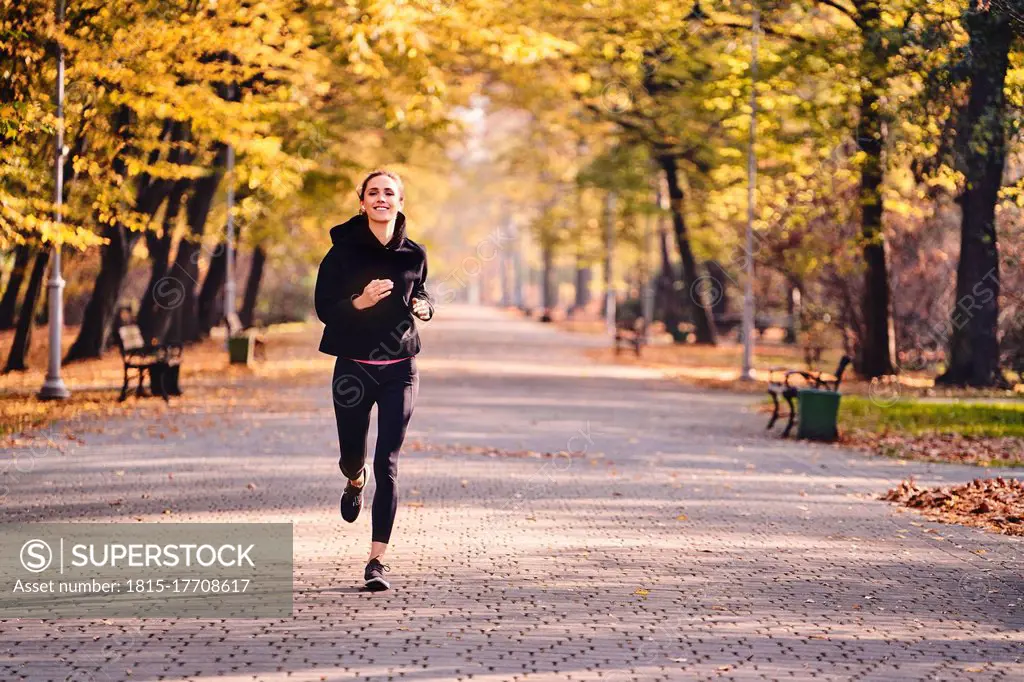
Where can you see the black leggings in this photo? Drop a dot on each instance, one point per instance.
(356, 387)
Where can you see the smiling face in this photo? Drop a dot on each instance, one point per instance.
(382, 199)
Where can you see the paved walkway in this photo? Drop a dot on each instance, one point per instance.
(679, 544)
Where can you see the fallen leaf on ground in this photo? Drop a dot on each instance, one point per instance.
(418, 445)
(996, 504)
(941, 447)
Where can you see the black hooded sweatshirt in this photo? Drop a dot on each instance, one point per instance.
(387, 330)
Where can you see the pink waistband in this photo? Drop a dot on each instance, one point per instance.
(377, 362)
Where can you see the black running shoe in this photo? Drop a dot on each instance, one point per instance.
(374, 576)
(352, 501)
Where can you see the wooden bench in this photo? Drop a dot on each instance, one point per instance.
(726, 323)
(630, 331)
(779, 383)
(162, 362)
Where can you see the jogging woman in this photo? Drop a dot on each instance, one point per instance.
(369, 291)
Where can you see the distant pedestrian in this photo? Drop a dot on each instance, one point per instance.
(369, 293)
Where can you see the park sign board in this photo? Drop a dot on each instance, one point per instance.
(146, 570)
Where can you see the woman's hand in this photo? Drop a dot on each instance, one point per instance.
(421, 309)
(372, 294)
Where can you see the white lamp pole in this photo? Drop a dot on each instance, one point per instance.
(517, 263)
(54, 388)
(747, 374)
(649, 270)
(609, 270)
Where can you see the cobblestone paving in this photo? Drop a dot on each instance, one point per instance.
(678, 543)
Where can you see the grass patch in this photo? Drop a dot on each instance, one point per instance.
(915, 417)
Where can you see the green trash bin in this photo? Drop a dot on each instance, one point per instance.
(818, 414)
(240, 350)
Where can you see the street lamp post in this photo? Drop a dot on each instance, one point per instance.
(609, 266)
(53, 387)
(517, 263)
(648, 269)
(504, 260)
(747, 373)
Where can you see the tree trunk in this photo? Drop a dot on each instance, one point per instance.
(23, 335)
(213, 290)
(583, 277)
(875, 356)
(853, 328)
(159, 247)
(185, 271)
(98, 318)
(115, 256)
(718, 289)
(517, 273)
(974, 347)
(210, 303)
(549, 293)
(43, 311)
(252, 287)
(9, 304)
(197, 314)
(180, 287)
(609, 256)
(161, 294)
(794, 304)
(503, 279)
(692, 294)
(669, 304)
